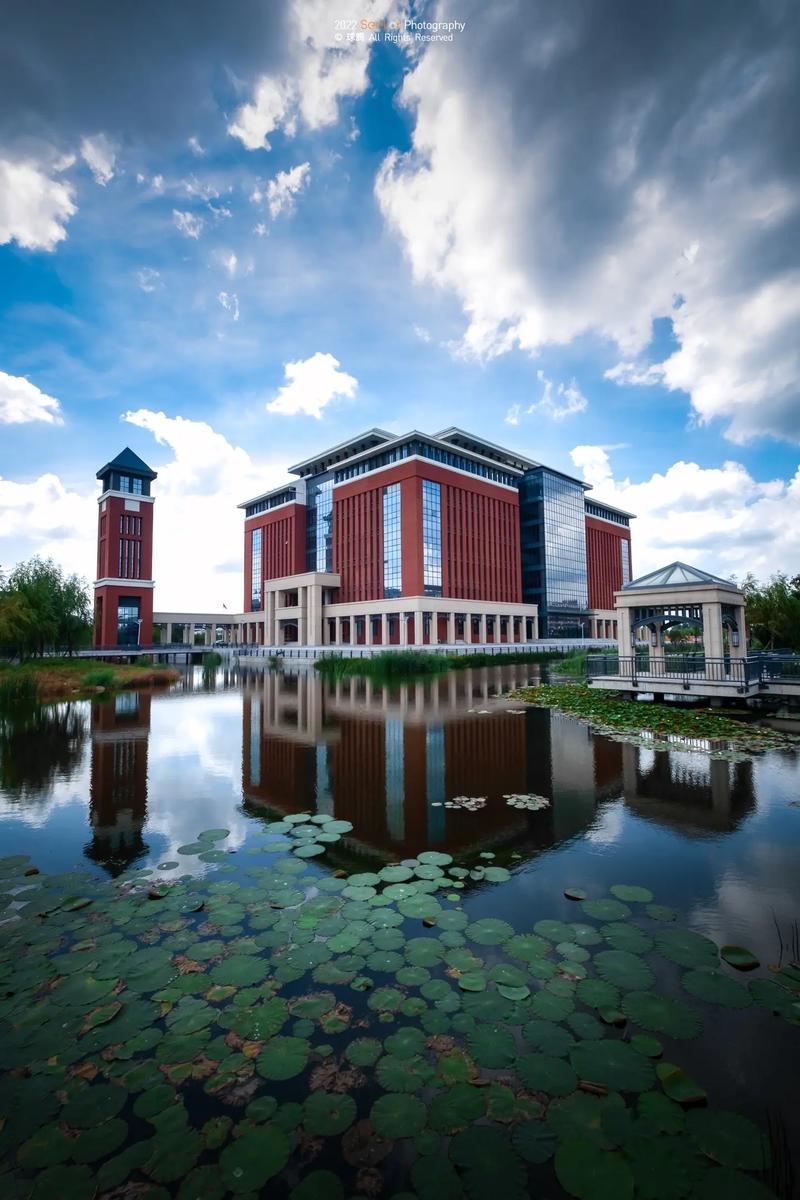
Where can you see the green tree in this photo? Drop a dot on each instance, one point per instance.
(42, 608)
(773, 610)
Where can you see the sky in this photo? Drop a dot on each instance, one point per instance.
(233, 235)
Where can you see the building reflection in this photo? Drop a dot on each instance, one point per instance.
(120, 727)
(388, 759)
(693, 793)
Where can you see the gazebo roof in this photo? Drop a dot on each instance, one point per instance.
(678, 574)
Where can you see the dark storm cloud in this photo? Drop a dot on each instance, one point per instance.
(137, 69)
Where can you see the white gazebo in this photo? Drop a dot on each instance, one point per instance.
(682, 595)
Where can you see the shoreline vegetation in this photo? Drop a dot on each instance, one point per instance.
(58, 678)
(409, 664)
(611, 713)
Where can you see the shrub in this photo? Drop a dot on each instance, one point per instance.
(98, 677)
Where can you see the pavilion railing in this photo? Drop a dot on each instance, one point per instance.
(758, 669)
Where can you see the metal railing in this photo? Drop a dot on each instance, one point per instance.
(305, 653)
(685, 669)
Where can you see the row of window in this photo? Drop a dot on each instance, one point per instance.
(260, 506)
(431, 538)
(448, 458)
(319, 528)
(130, 525)
(130, 559)
(255, 570)
(605, 514)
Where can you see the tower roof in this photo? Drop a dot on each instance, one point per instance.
(678, 574)
(129, 462)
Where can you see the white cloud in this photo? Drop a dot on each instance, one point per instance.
(230, 302)
(721, 519)
(322, 71)
(600, 216)
(230, 263)
(34, 207)
(188, 224)
(100, 154)
(195, 147)
(311, 384)
(21, 402)
(559, 401)
(281, 190)
(512, 417)
(149, 279)
(422, 333)
(636, 374)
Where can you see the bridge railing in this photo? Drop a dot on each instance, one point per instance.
(757, 669)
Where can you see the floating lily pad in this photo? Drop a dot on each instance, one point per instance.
(739, 957)
(623, 970)
(318, 1185)
(729, 1139)
(548, 1037)
(575, 893)
(661, 1014)
(613, 1064)
(492, 1046)
(622, 935)
(100, 1141)
(649, 1046)
(402, 1074)
(406, 1042)
(94, 1104)
(678, 1086)
(434, 1178)
(553, 931)
(597, 993)
(489, 931)
(551, 1007)
(716, 988)
(283, 1057)
(308, 850)
(327, 1114)
(398, 1116)
(76, 1183)
(687, 948)
(546, 1073)
(249, 1161)
(631, 894)
(534, 1141)
(527, 947)
(586, 1171)
(606, 910)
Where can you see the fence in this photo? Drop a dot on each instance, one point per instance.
(756, 670)
(312, 653)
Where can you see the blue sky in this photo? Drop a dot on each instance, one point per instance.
(569, 234)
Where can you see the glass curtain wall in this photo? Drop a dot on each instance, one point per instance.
(319, 524)
(553, 531)
(128, 621)
(392, 548)
(255, 571)
(432, 537)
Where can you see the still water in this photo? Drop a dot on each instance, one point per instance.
(121, 783)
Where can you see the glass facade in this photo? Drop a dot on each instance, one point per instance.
(319, 524)
(130, 483)
(432, 537)
(553, 533)
(255, 571)
(625, 552)
(392, 548)
(425, 450)
(128, 621)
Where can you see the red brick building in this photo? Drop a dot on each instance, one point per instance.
(123, 589)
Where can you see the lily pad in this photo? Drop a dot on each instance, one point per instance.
(492, 1046)
(586, 1171)
(456, 1108)
(93, 1105)
(249, 1161)
(631, 894)
(308, 850)
(613, 1064)
(548, 1037)
(318, 1185)
(535, 1141)
(661, 1014)
(328, 1114)
(546, 1073)
(678, 1086)
(739, 957)
(687, 948)
(283, 1057)
(729, 1139)
(489, 931)
(398, 1116)
(716, 988)
(623, 970)
(606, 910)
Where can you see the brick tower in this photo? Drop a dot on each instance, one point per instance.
(123, 590)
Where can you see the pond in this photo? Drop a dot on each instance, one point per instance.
(205, 993)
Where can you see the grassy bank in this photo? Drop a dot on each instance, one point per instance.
(612, 713)
(52, 678)
(409, 664)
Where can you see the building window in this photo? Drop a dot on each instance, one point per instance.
(432, 538)
(392, 549)
(128, 621)
(434, 452)
(136, 486)
(553, 531)
(626, 562)
(255, 570)
(319, 529)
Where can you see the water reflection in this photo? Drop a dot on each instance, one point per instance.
(693, 793)
(37, 746)
(118, 780)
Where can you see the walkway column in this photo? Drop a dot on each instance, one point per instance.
(403, 629)
(169, 632)
(384, 629)
(418, 637)
(451, 627)
(302, 620)
(482, 636)
(368, 636)
(337, 631)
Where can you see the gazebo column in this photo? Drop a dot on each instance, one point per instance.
(625, 633)
(712, 630)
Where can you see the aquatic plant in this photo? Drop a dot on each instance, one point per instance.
(165, 1034)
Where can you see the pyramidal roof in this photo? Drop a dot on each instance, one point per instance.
(126, 460)
(678, 574)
